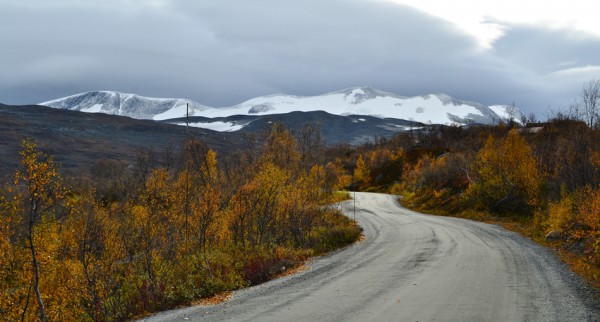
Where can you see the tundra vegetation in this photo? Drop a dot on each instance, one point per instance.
(132, 240)
(540, 179)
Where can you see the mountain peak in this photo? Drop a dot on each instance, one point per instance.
(362, 90)
(364, 100)
(124, 104)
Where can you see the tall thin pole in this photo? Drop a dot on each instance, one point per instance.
(187, 182)
(354, 187)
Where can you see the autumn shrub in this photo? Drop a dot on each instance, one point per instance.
(152, 239)
(577, 217)
(258, 264)
(216, 271)
(377, 169)
(589, 230)
(335, 230)
(534, 180)
(259, 269)
(505, 177)
(338, 196)
(436, 183)
(362, 174)
(561, 214)
(591, 209)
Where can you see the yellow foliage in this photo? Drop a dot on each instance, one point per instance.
(361, 171)
(102, 260)
(281, 148)
(560, 214)
(591, 209)
(590, 212)
(31, 208)
(336, 177)
(596, 159)
(577, 217)
(507, 176)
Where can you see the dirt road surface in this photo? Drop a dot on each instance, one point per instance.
(415, 267)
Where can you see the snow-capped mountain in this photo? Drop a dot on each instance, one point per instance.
(427, 109)
(131, 105)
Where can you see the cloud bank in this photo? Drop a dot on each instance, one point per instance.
(221, 53)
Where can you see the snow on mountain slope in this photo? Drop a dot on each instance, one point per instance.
(429, 109)
(131, 105)
(215, 126)
(506, 112)
(434, 108)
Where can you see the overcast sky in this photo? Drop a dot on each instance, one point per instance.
(222, 52)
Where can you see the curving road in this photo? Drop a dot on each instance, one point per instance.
(415, 267)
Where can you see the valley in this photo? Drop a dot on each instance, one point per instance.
(259, 185)
(341, 160)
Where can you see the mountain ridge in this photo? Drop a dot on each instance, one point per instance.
(427, 109)
(122, 104)
(78, 140)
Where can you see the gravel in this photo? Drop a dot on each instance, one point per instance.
(415, 267)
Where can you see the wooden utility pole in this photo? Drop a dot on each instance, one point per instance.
(354, 187)
(187, 183)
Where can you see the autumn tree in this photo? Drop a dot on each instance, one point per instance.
(267, 185)
(205, 203)
(310, 145)
(239, 211)
(565, 150)
(110, 180)
(281, 149)
(15, 289)
(591, 102)
(362, 173)
(153, 235)
(335, 177)
(506, 175)
(39, 193)
(94, 257)
(120, 249)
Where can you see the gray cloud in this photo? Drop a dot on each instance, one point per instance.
(547, 50)
(223, 52)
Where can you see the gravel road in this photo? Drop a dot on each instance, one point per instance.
(415, 267)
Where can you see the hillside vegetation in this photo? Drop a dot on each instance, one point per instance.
(542, 180)
(123, 239)
(135, 239)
